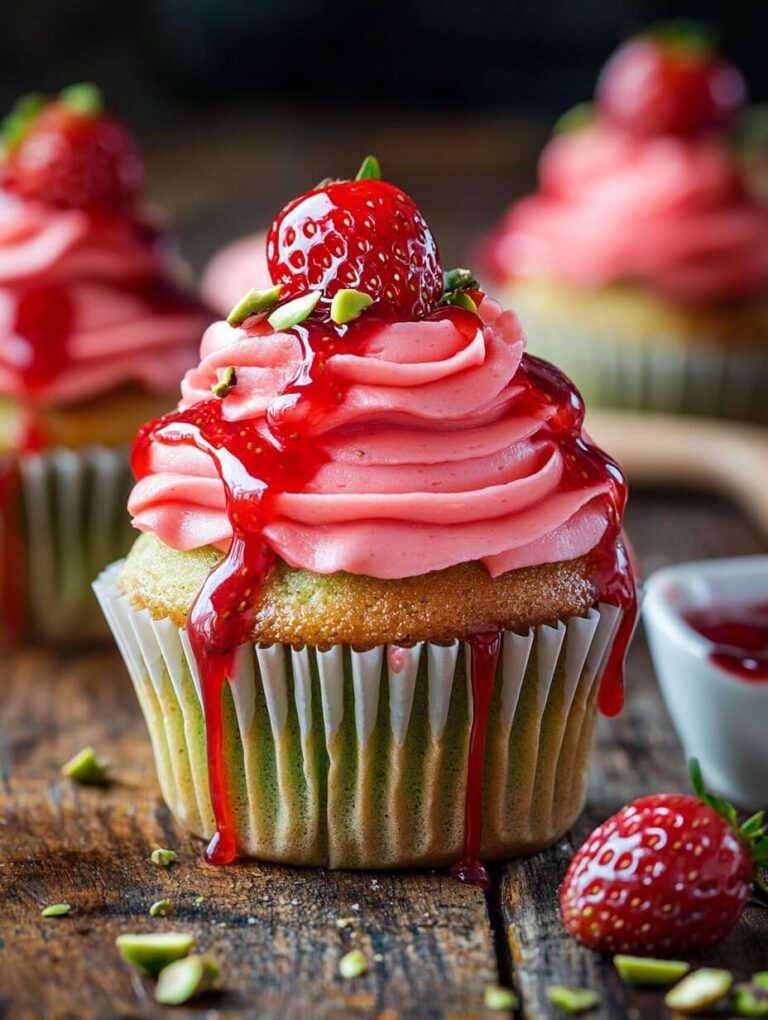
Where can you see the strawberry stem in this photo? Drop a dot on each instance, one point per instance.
(753, 833)
(688, 37)
(85, 99)
(370, 170)
(17, 124)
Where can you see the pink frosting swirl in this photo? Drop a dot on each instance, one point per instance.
(672, 213)
(444, 449)
(88, 303)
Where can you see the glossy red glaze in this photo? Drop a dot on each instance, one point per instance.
(484, 651)
(739, 634)
(279, 455)
(13, 617)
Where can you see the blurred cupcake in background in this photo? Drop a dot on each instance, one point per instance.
(641, 263)
(96, 325)
(381, 590)
(234, 270)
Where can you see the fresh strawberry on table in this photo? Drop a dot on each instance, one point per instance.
(68, 153)
(670, 873)
(670, 80)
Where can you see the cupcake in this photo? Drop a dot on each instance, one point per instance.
(96, 328)
(641, 263)
(235, 269)
(380, 590)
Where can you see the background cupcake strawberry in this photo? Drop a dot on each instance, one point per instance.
(96, 324)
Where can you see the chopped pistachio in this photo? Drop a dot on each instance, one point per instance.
(461, 299)
(151, 953)
(457, 279)
(499, 998)
(56, 910)
(641, 970)
(86, 767)
(324, 183)
(162, 857)
(160, 908)
(369, 170)
(186, 979)
(699, 991)
(199, 901)
(750, 1000)
(254, 302)
(226, 384)
(17, 123)
(348, 304)
(577, 117)
(572, 1000)
(293, 312)
(84, 98)
(353, 964)
(345, 922)
(761, 978)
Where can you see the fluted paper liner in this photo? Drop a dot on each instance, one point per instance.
(71, 521)
(659, 374)
(334, 758)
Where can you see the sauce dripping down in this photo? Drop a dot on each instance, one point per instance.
(280, 454)
(739, 635)
(13, 601)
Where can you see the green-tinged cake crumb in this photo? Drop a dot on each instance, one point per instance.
(163, 858)
(699, 991)
(160, 908)
(56, 910)
(186, 979)
(86, 767)
(498, 998)
(571, 1000)
(641, 970)
(750, 1000)
(151, 953)
(353, 964)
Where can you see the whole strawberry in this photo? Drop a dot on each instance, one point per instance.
(669, 873)
(670, 81)
(364, 235)
(67, 153)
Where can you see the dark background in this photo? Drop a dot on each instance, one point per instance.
(242, 104)
(158, 58)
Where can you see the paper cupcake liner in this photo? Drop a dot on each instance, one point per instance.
(66, 519)
(659, 374)
(335, 758)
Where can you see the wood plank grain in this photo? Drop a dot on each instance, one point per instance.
(636, 754)
(274, 929)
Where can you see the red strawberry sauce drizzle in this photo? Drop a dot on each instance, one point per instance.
(257, 463)
(12, 568)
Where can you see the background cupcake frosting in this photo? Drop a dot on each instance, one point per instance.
(88, 303)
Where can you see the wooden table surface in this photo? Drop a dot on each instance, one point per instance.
(279, 933)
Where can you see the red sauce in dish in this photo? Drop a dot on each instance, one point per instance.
(279, 455)
(739, 635)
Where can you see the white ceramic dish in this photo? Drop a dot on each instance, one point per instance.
(721, 719)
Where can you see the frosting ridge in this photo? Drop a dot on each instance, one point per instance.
(446, 446)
